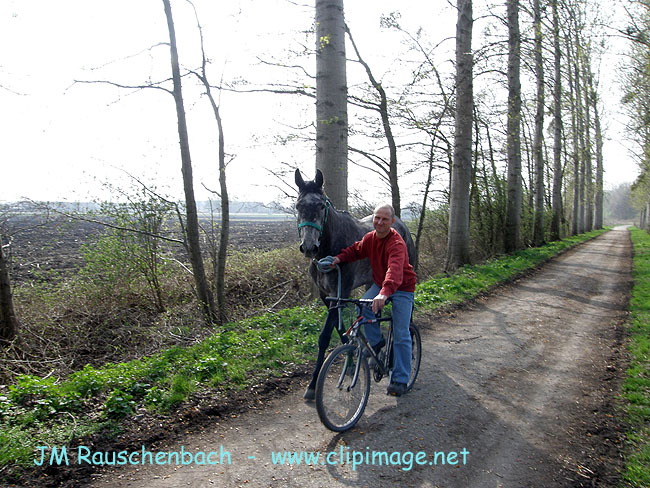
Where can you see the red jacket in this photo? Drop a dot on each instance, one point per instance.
(388, 258)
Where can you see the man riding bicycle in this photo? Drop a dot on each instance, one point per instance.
(393, 276)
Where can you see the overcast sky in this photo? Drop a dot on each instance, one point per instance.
(62, 140)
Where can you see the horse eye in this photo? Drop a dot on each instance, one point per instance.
(322, 205)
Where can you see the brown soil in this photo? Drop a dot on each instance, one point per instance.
(46, 250)
(524, 379)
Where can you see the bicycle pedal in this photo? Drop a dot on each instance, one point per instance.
(377, 374)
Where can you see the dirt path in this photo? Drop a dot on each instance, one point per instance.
(519, 385)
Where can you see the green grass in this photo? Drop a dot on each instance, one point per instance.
(636, 388)
(42, 411)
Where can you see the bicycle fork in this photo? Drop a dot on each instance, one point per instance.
(349, 364)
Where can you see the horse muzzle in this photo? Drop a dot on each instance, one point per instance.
(310, 243)
(309, 250)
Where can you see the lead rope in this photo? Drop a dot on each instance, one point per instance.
(324, 266)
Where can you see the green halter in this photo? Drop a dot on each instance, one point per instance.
(314, 224)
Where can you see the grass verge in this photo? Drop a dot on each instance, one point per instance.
(471, 281)
(636, 388)
(45, 412)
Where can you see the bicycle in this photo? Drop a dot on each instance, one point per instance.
(343, 385)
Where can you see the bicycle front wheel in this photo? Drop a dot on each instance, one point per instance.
(416, 354)
(343, 388)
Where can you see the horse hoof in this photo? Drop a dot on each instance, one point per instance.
(310, 394)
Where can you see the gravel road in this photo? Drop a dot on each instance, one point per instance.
(515, 390)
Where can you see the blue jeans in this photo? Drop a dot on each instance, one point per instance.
(402, 308)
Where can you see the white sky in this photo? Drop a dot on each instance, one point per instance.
(61, 140)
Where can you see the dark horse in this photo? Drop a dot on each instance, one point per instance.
(324, 231)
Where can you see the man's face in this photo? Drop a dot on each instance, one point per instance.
(382, 220)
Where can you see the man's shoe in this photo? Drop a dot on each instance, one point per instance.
(396, 389)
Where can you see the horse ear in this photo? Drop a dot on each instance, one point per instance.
(319, 178)
(299, 181)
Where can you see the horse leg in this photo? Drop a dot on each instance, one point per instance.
(323, 343)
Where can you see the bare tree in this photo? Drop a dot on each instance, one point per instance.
(458, 252)
(331, 101)
(224, 232)
(203, 291)
(390, 169)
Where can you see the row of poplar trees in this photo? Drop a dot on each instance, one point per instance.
(573, 152)
(636, 100)
(557, 190)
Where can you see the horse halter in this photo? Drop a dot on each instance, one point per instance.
(314, 224)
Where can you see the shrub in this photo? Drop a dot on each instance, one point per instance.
(119, 404)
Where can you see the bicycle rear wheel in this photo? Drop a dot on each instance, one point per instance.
(416, 354)
(340, 399)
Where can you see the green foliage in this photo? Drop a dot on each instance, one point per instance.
(324, 41)
(128, 257)
(636, 388)
(43, 396)
(229, 358)
(119, 404)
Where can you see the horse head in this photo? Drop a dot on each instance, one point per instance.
(312, 207)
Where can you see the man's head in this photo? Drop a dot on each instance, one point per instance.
(382, 219)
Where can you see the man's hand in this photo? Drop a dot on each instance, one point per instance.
(378, 302)
(335, 261)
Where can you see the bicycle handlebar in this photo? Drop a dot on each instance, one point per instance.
(363, 302)
(359, 301)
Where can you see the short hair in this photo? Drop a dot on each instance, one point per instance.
(385, 205)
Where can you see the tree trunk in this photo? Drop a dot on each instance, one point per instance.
(8, 320)
(557, 131)
(331, 101)
(574, 155)
(423, 209)
(538, 226)
(458, 238)
(589, 186)
(192, 228)
(514, 193)
(598, 212)
(578, 154)
(224, 232)
(580, 136)
(497, 231)
(490, 202)
(224, 235)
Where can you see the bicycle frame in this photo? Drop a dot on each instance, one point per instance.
(355, 333)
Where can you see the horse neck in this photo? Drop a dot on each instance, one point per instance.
(340, 230)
